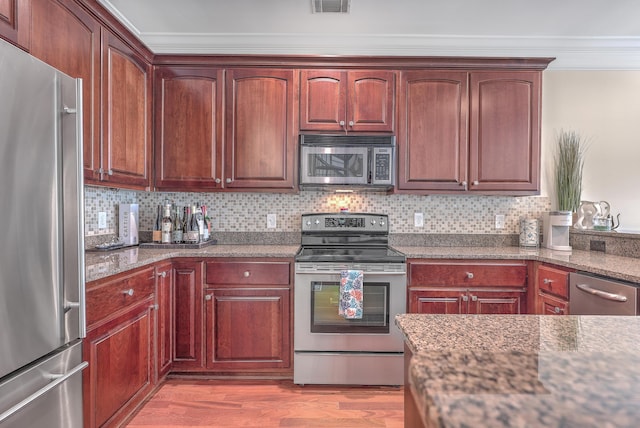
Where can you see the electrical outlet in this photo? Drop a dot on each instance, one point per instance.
(418, 220)
(499, 221)
(271, 221)
(102, 220)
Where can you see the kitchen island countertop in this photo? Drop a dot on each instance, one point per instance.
(524, 370)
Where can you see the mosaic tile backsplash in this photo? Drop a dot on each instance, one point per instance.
(247, 212)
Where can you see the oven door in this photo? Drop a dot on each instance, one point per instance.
(319, 327)
(334, 165)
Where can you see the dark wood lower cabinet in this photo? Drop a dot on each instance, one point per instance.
(188, 346)
(121, 362)
(164, 335)
(247, 329)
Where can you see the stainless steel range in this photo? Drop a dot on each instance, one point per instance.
(330, 347)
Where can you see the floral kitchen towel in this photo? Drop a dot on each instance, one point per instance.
(351, 294)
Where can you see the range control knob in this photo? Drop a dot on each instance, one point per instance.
(373, 222)
(317, 221)
(308, 222)
(381, 222)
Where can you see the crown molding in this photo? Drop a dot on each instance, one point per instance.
(585, 53)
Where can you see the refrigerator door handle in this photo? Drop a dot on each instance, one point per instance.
(57, 380)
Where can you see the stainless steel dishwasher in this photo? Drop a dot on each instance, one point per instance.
(593, 295)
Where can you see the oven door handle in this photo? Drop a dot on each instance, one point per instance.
(602, 294)
(337, 272)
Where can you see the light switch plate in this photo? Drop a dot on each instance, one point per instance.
(271, 221)
(500, 221)
(418, 220)
(102, 220)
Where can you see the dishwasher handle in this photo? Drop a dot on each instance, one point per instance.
(603, 294)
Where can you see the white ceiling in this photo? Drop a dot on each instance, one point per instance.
(581, 34)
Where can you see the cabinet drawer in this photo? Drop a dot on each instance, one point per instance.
(108, 297)
(553, 281)
(468, 274)
(247, 273)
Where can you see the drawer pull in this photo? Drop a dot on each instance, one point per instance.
(547, 281)
(470, 275)
(247, 274)
(128, 292)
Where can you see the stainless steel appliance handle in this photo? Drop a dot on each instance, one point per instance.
(367, 273)
(57, 380)
(600, 293)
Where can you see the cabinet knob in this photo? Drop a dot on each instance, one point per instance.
(351, 123)
(218, 181)
(556, 310)
(470, 275)
(474, 298)
(162, 274)
(228, 180)
(475, 182)
(208, 297)
(465, 298)
(342, 123)
(247, 274)
(128, 292)
(547, 281)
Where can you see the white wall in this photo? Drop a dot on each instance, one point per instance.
(604, 107)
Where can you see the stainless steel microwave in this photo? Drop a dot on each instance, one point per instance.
(358, 162)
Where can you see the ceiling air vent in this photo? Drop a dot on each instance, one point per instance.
(330, 6)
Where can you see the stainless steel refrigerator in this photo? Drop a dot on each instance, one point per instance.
(42, 320)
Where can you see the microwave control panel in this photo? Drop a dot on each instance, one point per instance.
(382, 165)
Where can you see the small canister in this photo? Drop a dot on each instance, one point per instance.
(529, 232)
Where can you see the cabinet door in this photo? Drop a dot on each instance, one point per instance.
(505, 131)
(261, 143)
(339, 100)
(551, 305)
(187, 315)
(188, 124)
(126, 115)
(437, 301)
(371, 101)
(67, 38)
(164, 302)
(432, 131)
(121, 369)
(248, 329)
(323, 96)
(496, 302)
(14, 22)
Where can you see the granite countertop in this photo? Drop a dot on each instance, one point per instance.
(101, 264)
(524, 370)
(624, 268)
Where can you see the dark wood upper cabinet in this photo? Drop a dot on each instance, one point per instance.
(14, 22)
(260, 138)
(505, 131)
(469, 131)
(126, 115)
(341, 101)
(432, 131)
(188, 128)
(68, 38)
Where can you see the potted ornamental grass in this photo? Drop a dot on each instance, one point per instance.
(569, 162)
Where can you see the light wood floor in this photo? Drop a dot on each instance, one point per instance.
(240, 403)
